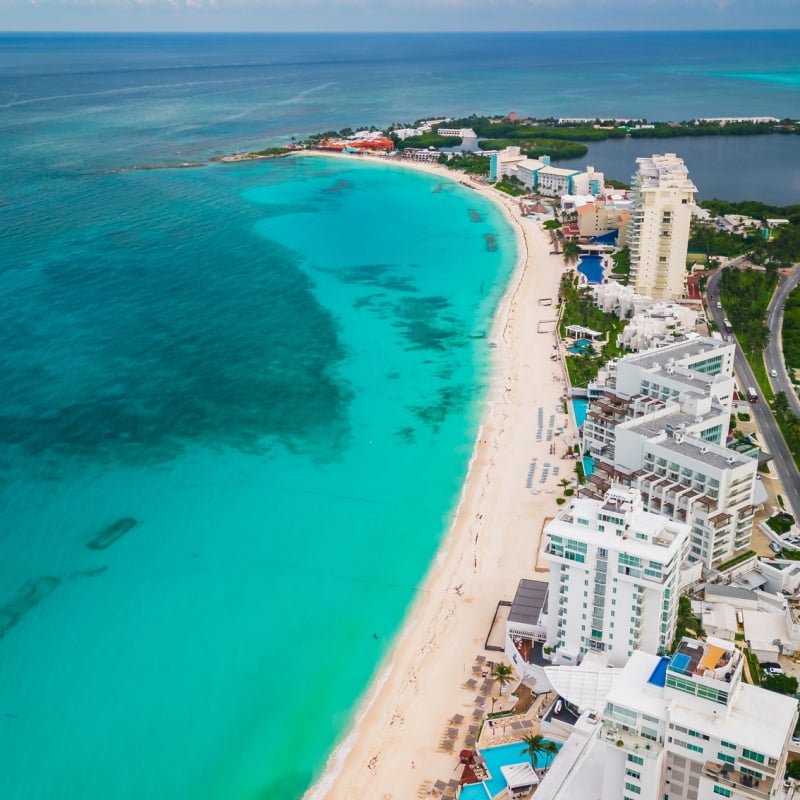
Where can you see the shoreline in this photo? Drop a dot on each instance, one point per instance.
(389, 747)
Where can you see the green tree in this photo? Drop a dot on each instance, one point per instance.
(783, 684)
(793, 770)
(501, 675)
(535, 745)
(571, 252)
(781, 403)
(551, 750)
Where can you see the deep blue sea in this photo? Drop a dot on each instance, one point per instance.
(237, 402)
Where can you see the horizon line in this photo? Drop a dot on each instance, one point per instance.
(397, 32)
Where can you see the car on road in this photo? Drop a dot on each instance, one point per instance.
(775, 547)
(773, 373)
(719, 305)
(771, 668)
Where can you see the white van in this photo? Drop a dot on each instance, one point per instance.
(773, 373)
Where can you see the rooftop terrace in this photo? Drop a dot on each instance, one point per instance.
(704, 659)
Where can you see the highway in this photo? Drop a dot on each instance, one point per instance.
(773, 356)
(771, 438)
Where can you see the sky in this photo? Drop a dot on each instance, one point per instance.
(394, 15)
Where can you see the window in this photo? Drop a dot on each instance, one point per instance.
(752, 755)
(726, 757)
(631, 787)
(752, 772)
(722, 790)
(636, 759)
(632, 774)
(729, 745)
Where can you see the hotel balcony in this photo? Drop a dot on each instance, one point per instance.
(719, 521)
(743, 785)
(614, 734)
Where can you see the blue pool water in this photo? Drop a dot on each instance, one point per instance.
(579, 407)
(504, 755)
(588, 465)
(592, 268)
(474, 791)
(581, 346)
(659, 675)
(680, 661)
(606, 238)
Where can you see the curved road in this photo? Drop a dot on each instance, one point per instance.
(771, 438)
(773, 356)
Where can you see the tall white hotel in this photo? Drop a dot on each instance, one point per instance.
(663, 197)
(614, 578)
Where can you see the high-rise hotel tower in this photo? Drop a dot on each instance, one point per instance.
(663, 197)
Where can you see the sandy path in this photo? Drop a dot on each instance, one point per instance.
(493, 542)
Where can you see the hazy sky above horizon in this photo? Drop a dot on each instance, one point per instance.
(394, 15)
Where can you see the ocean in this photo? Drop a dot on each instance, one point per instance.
(238, 401)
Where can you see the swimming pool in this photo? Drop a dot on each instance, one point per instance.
(502, 756)
(474, 791)
(592, 268)
(579, 406)
(588, 466)
(581, 346)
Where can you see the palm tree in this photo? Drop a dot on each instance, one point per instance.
(535, 745)
(501, 675)
(571, 252)
(564, 483)
(551, 751)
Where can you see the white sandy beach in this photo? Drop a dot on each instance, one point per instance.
(493, 542)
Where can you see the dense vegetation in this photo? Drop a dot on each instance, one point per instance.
(688, 624)
(466, 162)
(789, 424)
(752, 208)
(579, 309)
(745, 295)
(536, 148)
(617, 184)
(783, 684)
(622, 265)
(664, 130)
(711, 242)
(486, 129)
(791, 330)
(428, 140)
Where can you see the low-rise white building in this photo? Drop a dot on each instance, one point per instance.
(651, 323)
(540, 176)
(463, 133)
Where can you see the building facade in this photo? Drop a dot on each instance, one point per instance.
(659, 424)
(614, 578)
(686, 727)
(658, 235)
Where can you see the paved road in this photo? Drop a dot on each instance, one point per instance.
(774, 353)
(771, 438)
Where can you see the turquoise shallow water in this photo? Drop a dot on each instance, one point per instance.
(275, 370)
(265, 391)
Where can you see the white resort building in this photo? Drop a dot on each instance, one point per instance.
(540, 176)
(684, 727)
(663, 197)
(652, 323)
(659, 424)
(614, 578)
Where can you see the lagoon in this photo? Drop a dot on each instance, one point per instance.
(763, 167)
